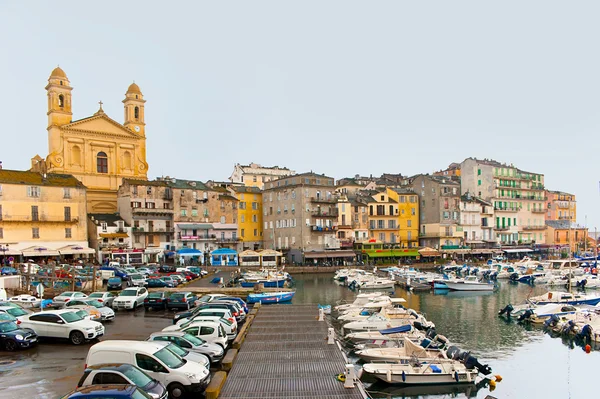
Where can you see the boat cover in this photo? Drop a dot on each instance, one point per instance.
(396, 330)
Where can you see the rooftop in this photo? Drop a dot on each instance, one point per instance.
(563, 224)
(37, 179)
(110, 218)
(246, 189)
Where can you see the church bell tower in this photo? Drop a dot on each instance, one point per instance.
(134, 110)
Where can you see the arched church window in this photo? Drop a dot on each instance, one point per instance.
(136, 113)
(61, 101)
(102, 162)
(127, 160)
(76, 155)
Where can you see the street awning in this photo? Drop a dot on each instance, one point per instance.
(76, 250)
(114, 235)
(429, 252)
(474, 242)
(40, 251)
(189, 252)
(517, 250)
(194, 226)
(329, 254)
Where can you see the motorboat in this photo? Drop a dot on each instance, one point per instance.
(379, 322)
(271, 297)
(393, 310)
(403, 354)
(377, 283)
(565, 298)
(378, 337)
(26, 301)
(539, 314)
(469, 283)
(359, 301)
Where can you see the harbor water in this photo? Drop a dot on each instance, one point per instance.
(531, 362)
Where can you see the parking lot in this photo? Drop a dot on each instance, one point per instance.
(53, 367)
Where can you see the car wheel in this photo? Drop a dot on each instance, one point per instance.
(10, 345)
(176, 390)
(77, 338)
(135, 305)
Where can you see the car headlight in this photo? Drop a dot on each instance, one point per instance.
(192, 376)
(90, 329)
(19, 337)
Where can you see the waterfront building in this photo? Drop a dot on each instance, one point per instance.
(518, 198)
(42, 215)
(353, 224)
(249, 216)
(300, 215)
(97, 150)
(561, 206)
(408, 216)
(452, 170)
(256, 175)
(477, 222)
(562, 234)
(383, 218)
(439, 211)
(111, 237)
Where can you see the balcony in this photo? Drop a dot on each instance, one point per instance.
(323, 229)
(565, 218)
(38, 219)
(197, 238)
(538, 210)
(437, 235)
(503, 228)
(333, 214)
(373, 228)
(152, 211)
(228, 240)
(529, 228)
(323, 200)
(562, 204)
(344, 227)
(510, 209)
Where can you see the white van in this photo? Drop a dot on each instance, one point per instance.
(180, 376)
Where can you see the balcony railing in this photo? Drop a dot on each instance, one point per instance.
(38, 219)
(325, 200)
(509, 209)
(228, 240)
(323, 229)
(152, 210)
(325, 214)
(196, 238)
(384, 228)
(438, 235)
(538, 210)
(534, 228)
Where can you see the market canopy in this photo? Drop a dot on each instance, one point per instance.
(114, 235)
(249, 254)
(189, 252)
(76, 250)
(40, 251)
(517, 250)
(270, 252)
(426, 251)
(223, 251)
(329, 254)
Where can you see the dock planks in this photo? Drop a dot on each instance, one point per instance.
(286, 355)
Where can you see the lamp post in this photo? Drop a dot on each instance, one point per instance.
(4, 249)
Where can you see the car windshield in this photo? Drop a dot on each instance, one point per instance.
(129, 293)
(194, 340)
(82, 313)
(205, 299)
(67, 294)
(137, 376)
(95, 304)
(8, 326)
(177, 296)
(178, 350)
(155, 295)
(96, 295)
(135, 276)
(169, 358)
(6, 316)
(71, 317)
(16, 312)
(114, 280)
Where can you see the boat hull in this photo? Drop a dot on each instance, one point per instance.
(467, 377)
(455, 286)
(270, 298)
(266, 283)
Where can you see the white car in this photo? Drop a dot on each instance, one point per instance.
(137, 280)
(229, 327)
(17, 312)
(63, 323)
(65, 297)
(130, 298)
(209, 331)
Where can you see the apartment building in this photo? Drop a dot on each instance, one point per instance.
(111, 236)
(256, 175)
(561, 206)
(477, 221)
(250, 215)
(300, 215)
(408, 216)
(383, 218)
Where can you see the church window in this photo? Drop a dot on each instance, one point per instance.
(76, 155)
(61, 101)
(102, 162)
(127, 160)
(136, 113)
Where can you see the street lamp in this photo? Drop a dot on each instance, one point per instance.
(4, 249)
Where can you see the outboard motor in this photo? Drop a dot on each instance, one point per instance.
(469, 361)
(431, 333)
(585, 333)
(569, 327)
(526, 315)
(507, 309)
(514, 277)
(552, 321)
(581, 283)
(419, 326)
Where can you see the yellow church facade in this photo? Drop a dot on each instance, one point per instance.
(97, 150)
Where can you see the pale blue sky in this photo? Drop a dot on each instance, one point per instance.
(339, 87)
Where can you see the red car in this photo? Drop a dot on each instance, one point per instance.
(187, 278)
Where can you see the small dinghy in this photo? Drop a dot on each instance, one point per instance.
(271, 297)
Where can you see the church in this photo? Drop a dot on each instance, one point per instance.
(97, 150)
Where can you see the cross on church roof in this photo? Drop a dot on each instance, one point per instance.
(100, 102)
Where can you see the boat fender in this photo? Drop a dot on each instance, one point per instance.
(456, 376)
(594, 271)
(403, 376)
(341, 377)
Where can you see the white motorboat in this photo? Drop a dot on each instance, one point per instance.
(566, 298)
(377, 283)
(435, 372)
(378, 322)
(359, 301)
(469, 283)
(26, 301)
(402, 354)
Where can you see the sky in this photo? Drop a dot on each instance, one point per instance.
(336, 87)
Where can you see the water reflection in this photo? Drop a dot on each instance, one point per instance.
(532, 363)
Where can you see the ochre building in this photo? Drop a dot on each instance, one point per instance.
(97, 150)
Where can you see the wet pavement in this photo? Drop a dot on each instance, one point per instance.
(54, 367)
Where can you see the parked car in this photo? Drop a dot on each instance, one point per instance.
(88, 313)
(209, 331)
(145, 271)
(137, 280)
(130, 298)
(223, 311)
(189, 342)
(156, 282)
(234, 308)
(238, 310)
(209, 298)
(114, 283)
(187, 355)
(167, 268)
(114, 391)
(116, 272)
(17, 312)
(8, 317)
(181, 300)
(26, 301)
(63, 323)
(106, 313)
(122, 373)
(179, 376)
(105, 298)
(178, 278)
(242, 303)
(13, 336)
(170, 281)
(156, 299)
(8, 271)
(66, 296)
(229, 327)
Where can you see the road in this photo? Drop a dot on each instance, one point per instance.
(54, 367)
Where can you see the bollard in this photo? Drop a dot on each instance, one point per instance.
(330, 336)
(350, 376)
(321, 314)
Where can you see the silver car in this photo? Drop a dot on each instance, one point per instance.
(191, 343)
(106, 313)
(65, 297)
(106, 298)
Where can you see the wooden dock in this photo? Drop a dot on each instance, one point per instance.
(286, 355)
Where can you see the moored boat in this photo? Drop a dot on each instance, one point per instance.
(470, 283)
(271, 297)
